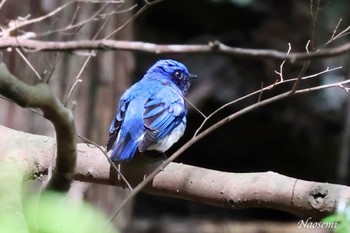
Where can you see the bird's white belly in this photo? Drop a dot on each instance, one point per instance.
(165, 143)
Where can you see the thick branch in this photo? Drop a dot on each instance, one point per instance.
(223, 189)
(216, 47)
(40, 96)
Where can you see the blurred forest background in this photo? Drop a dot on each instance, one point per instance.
(306, 136)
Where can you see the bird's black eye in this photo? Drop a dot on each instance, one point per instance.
(178, 74)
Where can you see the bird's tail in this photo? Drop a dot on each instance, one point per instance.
(125, 149)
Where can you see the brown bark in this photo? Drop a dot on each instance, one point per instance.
(222, 189)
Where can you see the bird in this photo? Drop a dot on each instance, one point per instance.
(151, 114)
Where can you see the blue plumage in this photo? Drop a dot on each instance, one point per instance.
(152, 113)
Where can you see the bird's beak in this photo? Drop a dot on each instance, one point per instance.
(193, 76)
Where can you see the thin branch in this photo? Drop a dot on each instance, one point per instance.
(314, 13)
(132, 19)
(259, 92)
(28, 63)
(335, 31)
(280, 73)
(346, 31)
(307, 46)
(259, 99)
(20, 24)
(2, 3)
(78, 25)
(109, 160)
(303, 69)
(75, 14)
(194, 106)
(77, 81)
(118, 11)
(52, 67)
(301, 74)
(91, 53)
(137, 46)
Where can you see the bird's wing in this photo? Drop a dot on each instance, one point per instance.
(119, 117)
(163, 113)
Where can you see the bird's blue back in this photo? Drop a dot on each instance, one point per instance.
(152, 113)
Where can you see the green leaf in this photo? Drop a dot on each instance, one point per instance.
(54, 213)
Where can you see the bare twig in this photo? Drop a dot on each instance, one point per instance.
(52, 67)
(260, 94)
(137, 14)
(301, 74)
(14, 27)
(335, 31)
(28, 63)
(91, 53)
(303, 69)
(78, 25)
(75, 14)
(346, 31)
(260, 91)
(118, 11)
(307, 46)
(314, 9)
(193, 106)
(36, 45)
(109, 160)
(77, 81)
(2, 3)
(280, 73)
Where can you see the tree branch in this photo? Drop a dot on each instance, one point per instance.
(222, 189)
(137, 46)
(40, 96)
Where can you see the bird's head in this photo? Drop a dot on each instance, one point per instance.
(174, 71)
